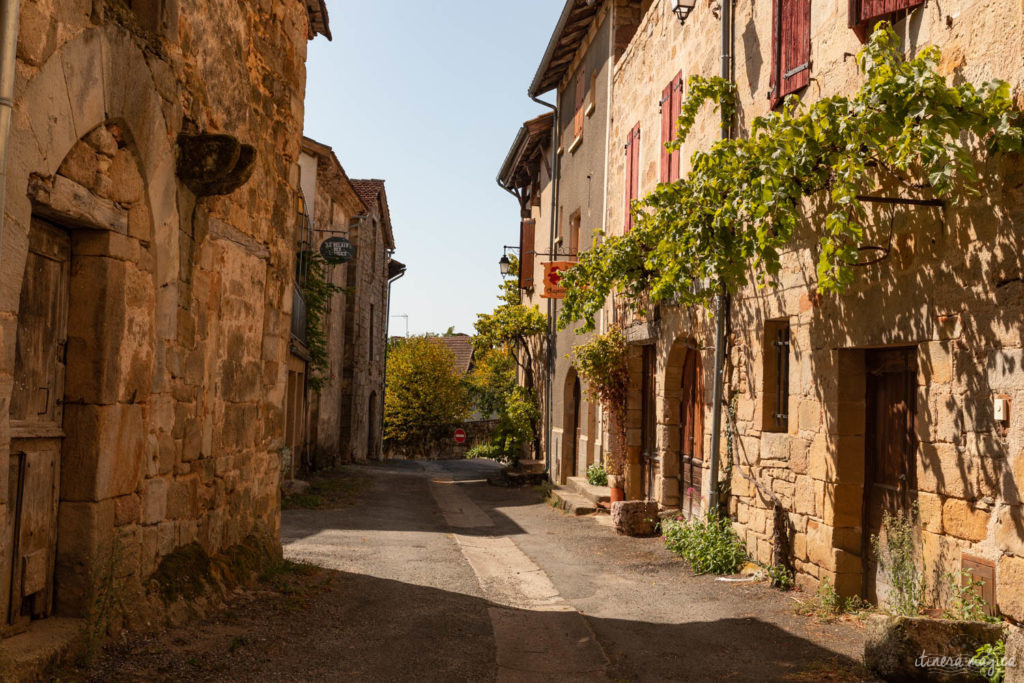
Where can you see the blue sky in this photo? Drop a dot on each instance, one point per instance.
(429, 97)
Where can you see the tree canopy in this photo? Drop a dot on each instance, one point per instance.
(425, 396)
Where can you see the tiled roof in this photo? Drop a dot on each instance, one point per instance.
(368, 190)
(565, 41)
(461, 347)
(318, 20)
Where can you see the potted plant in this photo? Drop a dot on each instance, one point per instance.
(602, 362)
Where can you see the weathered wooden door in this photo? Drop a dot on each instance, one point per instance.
(577, 402)
(648, 432)
(890, 483)
(691, 433)
(36, 422)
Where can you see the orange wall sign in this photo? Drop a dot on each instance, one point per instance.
(553, 288)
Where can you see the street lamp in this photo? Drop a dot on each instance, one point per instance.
(682, 9)
(504, 264)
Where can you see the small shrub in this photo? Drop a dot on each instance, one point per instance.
(966, 602)
(709, 544)
(484, 450)
(826, 605)
(990, 660)
(779, 577)
(596, 475)
(898, 560)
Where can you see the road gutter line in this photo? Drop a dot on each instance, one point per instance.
(537, 634)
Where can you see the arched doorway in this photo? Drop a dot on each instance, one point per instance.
(684, 396)
(571, 401)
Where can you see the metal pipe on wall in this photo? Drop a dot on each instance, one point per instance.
(9, 11)
(549, 361)
(722, 308)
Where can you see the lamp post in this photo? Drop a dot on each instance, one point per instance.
(682, 9)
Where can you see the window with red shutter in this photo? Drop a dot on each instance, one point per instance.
(671, 107)
(528, 253)
(632, 175)
(577, 124)
(791, 48)
(864, 14)
(574, 234)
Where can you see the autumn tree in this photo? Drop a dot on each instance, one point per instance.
(425, 396)
(518, 332)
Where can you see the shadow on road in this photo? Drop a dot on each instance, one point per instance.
(348, 626)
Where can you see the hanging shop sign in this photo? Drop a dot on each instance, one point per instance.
(553, 288)
(337, 250)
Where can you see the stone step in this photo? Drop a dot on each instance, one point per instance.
(573, 503)
(531, 466)
(596, 494)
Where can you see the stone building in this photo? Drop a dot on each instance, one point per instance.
(920, 352)
(145, 284)
(578, 66)
(366, 331)
(355, 322)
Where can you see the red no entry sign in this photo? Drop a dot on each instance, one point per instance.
(460, 435)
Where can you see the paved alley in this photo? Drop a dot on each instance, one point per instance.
(436, 575)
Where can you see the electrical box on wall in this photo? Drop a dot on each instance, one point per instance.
(1001, 410)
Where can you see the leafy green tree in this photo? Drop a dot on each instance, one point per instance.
(317, 290)
(493, 387)
(425, 397)
(741, 203)
(517, 331)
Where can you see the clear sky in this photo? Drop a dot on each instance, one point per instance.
(429, 96)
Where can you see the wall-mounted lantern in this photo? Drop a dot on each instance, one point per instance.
(504, 264)
(682, 9)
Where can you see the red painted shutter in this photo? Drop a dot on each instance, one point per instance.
(791, 48)
(578, 121)
(528, 250)
(864, 14)
(677, 109)
(666, 133)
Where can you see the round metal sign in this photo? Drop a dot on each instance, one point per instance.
(460, 435)
(337, 250)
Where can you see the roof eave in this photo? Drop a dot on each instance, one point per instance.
(538, 77)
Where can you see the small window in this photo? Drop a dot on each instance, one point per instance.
(632, 174)
(573, 248)
(791, 48)
(671, 107)
(776, 376)
(865, 14)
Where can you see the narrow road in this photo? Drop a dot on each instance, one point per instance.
(440, 576)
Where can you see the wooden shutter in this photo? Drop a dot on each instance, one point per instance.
(578, 120)
(791, 48)
(632, 175)
(864, 14)
(666, 133)
(677, 109)
(528, 252)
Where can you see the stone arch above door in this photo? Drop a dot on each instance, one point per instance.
(100, 76)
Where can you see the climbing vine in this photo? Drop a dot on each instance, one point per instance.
(603, 362)
(317, 291)
(740, 204)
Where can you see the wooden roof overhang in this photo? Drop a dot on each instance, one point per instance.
(318, 21)
(526, 154)
(565, 41)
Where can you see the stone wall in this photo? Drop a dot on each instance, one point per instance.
(179, 305)
(951, 290)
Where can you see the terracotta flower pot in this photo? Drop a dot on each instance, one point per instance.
(616, 488)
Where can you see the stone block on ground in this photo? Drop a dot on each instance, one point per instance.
(635, 517)
(913, 648)
(294, 487)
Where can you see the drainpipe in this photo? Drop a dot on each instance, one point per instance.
(549, 361)
(9, 11)
(387, 339)
(722, 307)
